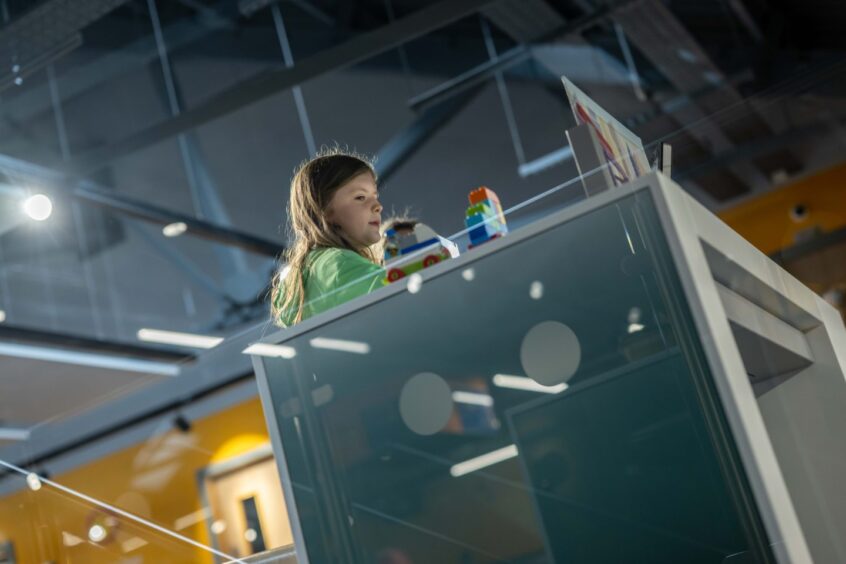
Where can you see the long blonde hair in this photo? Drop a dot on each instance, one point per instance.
(314, 183)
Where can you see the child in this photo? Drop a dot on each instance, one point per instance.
(335, 215)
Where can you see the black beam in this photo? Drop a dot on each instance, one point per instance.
(508, 59)
(469, 79)
(84, 344)
(162, 216)
(758, 148)
(266, 84)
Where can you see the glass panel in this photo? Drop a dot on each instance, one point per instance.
(52, 523)
(174, 494)
(546, 403)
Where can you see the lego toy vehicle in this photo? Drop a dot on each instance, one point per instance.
(412, 246)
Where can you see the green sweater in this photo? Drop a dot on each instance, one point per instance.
(333, 276)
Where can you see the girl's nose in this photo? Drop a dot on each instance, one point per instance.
(378, 207)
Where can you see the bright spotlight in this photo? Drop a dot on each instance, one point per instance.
(38, 207)
(97, 533)
(174, 229)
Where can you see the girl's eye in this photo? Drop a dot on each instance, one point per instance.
(360, 198)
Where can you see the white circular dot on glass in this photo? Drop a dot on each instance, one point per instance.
(550, 353)
(425, 403)
(468, 274)
(415, 281)
(536, 290)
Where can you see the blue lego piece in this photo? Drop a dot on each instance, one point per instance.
(412, 248)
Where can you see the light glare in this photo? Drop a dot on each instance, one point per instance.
(38, 207)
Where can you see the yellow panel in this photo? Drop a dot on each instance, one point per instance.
(765, 221)
(156, 480)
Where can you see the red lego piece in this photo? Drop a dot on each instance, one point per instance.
(481, 194)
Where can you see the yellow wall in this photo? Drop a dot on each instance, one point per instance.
(765, 221)
(155, 480)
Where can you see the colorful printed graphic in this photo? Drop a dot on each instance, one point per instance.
(623, 149)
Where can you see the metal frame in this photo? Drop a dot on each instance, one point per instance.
(282, 465)
(266, 84)
(689, 229)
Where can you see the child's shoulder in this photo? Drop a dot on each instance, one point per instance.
(332, 254)
(330, 260)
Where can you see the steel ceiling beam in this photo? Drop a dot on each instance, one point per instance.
(759, 147)
(77, 81)
(405, 143)
(524, 21)
(506, 60)
(88, 192)
(66, 341)
(268, 83)
(162, 216)
(733, 120)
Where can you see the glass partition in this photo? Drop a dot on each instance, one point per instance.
(544, 402)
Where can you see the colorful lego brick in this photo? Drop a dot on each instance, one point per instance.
(482, 193)
(485, 207)
(491, 222)
(485, 194)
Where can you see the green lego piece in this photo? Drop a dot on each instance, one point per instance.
(481, 208)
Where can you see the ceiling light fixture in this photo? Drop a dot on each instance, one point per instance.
(174, 229)
(179, 339)
(38, 207)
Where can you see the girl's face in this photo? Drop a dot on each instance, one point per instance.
(355, 208)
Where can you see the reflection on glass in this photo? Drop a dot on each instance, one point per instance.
(264, 349)
(527, 384)
(483, 461)
(343, 345)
